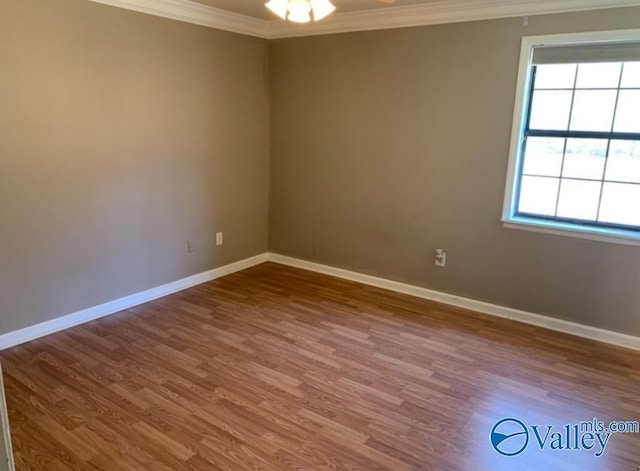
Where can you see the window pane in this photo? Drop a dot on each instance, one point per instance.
(550, 110)
(624, 162)
(538, 195)
(543, 156)
(628, 113)
(555, 76)
(579, 199)
(585, 158)
(599, 75)
(620, 204)
(631, 75)
(593, 110)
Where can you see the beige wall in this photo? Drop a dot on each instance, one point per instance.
(122, 135)
(386, 145)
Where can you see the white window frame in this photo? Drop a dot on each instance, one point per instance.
(509, 219)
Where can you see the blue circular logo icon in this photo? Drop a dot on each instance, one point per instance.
(510, 437)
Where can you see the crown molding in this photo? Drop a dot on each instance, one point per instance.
(195, 13)
(430, 13)
(437, 12)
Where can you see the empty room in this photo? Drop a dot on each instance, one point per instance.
(309, 235)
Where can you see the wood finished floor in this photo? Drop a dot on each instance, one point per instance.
(278, 369)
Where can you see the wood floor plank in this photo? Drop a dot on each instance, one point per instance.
(279, 369)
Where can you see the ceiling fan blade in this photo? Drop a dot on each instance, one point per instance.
(388, 2)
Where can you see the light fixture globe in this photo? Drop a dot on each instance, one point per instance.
(279, 7)
(301, 11)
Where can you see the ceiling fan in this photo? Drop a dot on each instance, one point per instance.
(303, 11)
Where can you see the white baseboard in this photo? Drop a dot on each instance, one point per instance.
(49, 327)
(572, 328)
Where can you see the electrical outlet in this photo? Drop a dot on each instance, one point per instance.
(441, 258)
(219, 238)
(190, 247)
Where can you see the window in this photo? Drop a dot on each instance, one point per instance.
(575, 153)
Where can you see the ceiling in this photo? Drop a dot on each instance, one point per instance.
(252, 18)
(256, 8)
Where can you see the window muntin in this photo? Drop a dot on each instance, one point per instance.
(580, 155)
